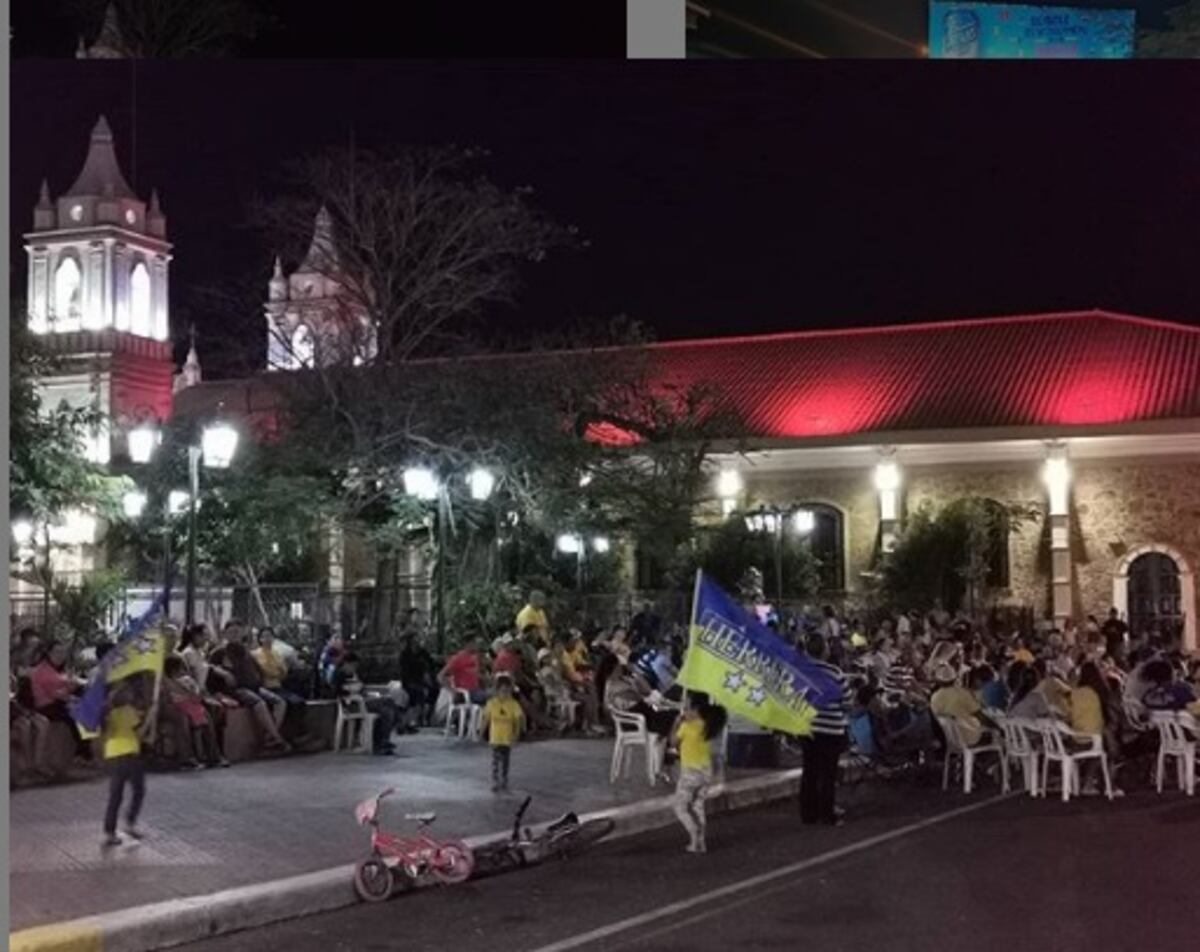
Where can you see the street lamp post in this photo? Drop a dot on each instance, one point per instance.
(773, 519)
(189, 607)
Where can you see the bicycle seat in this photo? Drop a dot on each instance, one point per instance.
(564, 821)
(421, 817)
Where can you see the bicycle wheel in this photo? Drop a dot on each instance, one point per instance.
(573, 842)
(454, 864)
(373, 880)
(497, 858)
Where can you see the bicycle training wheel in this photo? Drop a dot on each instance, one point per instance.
(455, 863)
(373, 880)
(586, 834)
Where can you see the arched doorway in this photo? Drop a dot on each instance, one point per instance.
(1154, 588)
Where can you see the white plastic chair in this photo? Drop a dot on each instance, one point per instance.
(355, 725)
(1173, 741)
(1054, 748)
(562, 709)
(465, 713)
(956, 747)
(1019, 746)
(632, 734)
(1136, 714)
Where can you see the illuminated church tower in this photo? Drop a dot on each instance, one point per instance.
(312, 320)
(97, 293)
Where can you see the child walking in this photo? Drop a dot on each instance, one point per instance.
(503, 719)
(701, 722)
(122, 741)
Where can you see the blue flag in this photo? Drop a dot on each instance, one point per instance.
(749, 669)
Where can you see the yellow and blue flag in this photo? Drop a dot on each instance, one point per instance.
(139, 651)
(749, 669)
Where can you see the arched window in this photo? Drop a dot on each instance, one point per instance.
(827, 540)
(303, 346)
(68, 294)
(141, 322)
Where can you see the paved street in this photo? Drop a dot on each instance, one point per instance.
(270, 819)
(1013, 875)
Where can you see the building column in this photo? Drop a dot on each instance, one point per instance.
(887, 483)
(1057, 476)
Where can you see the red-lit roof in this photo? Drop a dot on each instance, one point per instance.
(1052, 370)
(1059, 372)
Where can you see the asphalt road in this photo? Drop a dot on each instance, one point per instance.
(911, 870)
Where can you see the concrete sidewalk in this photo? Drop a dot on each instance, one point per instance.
(267, 820)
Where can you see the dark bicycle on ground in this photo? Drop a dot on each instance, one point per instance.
(565, 837)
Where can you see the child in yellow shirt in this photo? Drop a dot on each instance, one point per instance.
(701, 722)
(121, 737)
(503, 719)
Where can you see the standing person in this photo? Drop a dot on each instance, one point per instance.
(644, 627)
(1115, 632)
(121, 736)
(822, 748)
(503, 719)
(534, 613)
(700, 724)
(417, 674)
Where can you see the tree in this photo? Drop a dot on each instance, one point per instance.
(948, 555)
(728, 550)
(167, 29)
(413, 242)
(1180, 41)
(48, 473)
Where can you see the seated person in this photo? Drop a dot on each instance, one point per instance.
(222, 679)
(52, 686)
(464, 671)
(988, 688)
(274, 670)
(181, 692)
(418, 675)
(1166, 691)
(25, 730)
(1053, 689)
(895, 730)
(627, 691)
(346, 685)
(952, 700)
(579, 682)
(1024, 700)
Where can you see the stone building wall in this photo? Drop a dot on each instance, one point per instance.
(1117, 507)
(1123, 506)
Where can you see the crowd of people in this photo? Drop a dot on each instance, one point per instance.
(916, 668)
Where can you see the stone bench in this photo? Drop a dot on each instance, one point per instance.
(242, 742)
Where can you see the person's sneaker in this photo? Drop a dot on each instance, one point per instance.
(224, 763)
(134, 833)
(1117, 792)
(495, 788)
(111, 840)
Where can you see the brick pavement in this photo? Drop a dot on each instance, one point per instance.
(263, 820)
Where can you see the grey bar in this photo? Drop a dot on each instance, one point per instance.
(655, 29)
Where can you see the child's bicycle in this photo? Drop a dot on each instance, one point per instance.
(408, 857)
(565, 837)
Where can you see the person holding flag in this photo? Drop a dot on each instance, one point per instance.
(754, 674)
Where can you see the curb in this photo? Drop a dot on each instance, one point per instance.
(178, 921)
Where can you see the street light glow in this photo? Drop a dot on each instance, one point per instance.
(22, 532)
(887, 476)
(219, 443)
(177, 501)
(600, 544)
(804, 521)
(142, 442)
(569, 544)
(134, 503)
(729, 483)
(482, 482)
(421, 483)
(1057, 474)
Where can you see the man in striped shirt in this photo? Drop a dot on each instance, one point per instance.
(823, 748)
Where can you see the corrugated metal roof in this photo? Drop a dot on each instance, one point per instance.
(1082, 368)
(1058, 371)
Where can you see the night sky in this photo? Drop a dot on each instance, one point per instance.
(384, 28)
(719, 198)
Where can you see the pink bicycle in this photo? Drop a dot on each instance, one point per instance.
(409, 857)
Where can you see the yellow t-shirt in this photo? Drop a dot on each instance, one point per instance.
(1086, 715)
(694, 752)
(121, 732)
(504, 716)
(273, 668)
(959, 703)
(533, 616)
